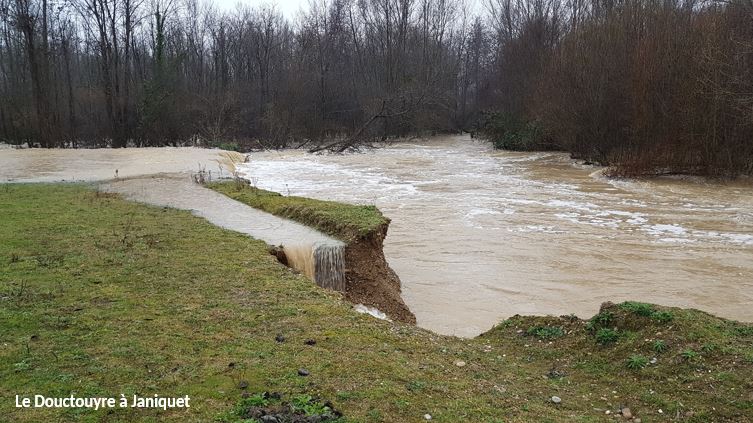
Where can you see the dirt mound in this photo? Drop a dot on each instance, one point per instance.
(370, 280)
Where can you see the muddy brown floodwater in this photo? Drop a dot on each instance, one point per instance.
(54, 165)
(479, 235)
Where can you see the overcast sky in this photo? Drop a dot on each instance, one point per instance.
(289, 8)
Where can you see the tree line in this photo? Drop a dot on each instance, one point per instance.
(643, 85)
(162, 72)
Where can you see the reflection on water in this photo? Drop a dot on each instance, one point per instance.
(479, 235)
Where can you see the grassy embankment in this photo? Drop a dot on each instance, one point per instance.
(344, 221)
(99, 296)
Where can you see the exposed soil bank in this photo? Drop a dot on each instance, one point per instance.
(369, 279)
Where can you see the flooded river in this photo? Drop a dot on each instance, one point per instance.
(55, 165)
(479, 235)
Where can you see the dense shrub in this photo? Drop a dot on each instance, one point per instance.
(509, 132)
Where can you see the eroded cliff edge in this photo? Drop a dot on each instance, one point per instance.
(369, 279)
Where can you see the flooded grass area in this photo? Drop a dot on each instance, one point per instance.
(55, 165)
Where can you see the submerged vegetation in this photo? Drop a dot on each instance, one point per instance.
(99, 296)
(347, 222)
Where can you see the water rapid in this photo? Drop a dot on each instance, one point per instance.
(478, 235)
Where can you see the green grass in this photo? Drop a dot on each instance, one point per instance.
(546, 332)
(641, 309)
(636, 362)
(99, 296)
(605, 336)
(300, 406)
(648, 310)
(347, 222)
(602, 319)
(662, 316)
(689, 355)
(659, 346)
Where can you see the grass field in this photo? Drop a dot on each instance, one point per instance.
(102, 297)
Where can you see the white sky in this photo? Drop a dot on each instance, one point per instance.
(290, 8)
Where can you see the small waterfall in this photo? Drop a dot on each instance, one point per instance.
(322, 263)
(329, 262)
(301, 258)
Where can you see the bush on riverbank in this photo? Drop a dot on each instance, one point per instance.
(509, 132)
(99, 296)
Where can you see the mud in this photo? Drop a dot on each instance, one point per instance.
(369, 279)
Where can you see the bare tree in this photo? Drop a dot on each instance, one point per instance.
(642, 85)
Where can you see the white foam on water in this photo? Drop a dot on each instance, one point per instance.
(666, 229)
(638, 220)
(538, 228)
(481, 212)
(556, 240)
(746, 239)
(371, 311)
(677, 240)
(569, 204)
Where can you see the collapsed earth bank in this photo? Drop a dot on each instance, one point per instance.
(369, 280)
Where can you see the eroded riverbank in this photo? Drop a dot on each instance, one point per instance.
(479, 235)
(102, 294)
(354, 266)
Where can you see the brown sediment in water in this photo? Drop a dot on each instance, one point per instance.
(329, 265)
(301, 258)
(479, 235)
(323, 264)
